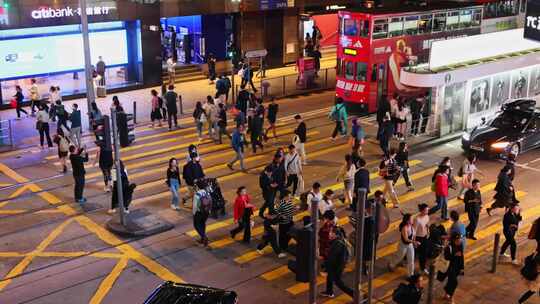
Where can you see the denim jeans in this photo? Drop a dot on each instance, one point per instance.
(199, 126)
(442, 204)
(238, 157)
(174, 186)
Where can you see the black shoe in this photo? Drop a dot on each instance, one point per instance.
(232, 235)
(488, 210)
(472, 237)
(230, 166)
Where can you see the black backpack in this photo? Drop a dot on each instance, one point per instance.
(402, 294)
(529, 270)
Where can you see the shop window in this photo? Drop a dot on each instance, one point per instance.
(395, 27)
(490, 10)
(522, 6)
(350, 27)
(465, 19)
(452, 21)
(439, 24)
(424, 24)
(364, 28)
(380, 29)
(361, 71)
(374, 72)
(410, 26)
(349, 70)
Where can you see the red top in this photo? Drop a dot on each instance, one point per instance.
(240, 203)
(324, 238)
(441, 185)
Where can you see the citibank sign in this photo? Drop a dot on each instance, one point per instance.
(50, 13)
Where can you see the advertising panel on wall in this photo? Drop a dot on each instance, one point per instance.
(520, 80)
(501, 89)
(532, 21)
(453, 104)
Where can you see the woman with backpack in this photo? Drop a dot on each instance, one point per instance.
(173, 181)
(407, 243)
(201, 207)
(338, 256)
(453, 253)
(346, 173)
(402, 160)
(339, 115)
(63, 148)
(388, 169)
(199, 116)
(156, 110)
(243, 209)
(61, 114)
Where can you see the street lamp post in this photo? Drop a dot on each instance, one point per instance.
(87, 57)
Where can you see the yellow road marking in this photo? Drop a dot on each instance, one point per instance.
(127, 250)
(62, 254)
(108, 282)
(21, 266)
(13, 211)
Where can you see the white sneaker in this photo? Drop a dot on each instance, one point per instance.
(111, 211)
(282, 255)
(126, 211)
(106, 189)
(515, 262)
(260, 252)
(173, 207)
(504, 255)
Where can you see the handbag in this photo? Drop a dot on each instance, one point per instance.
(295, 140)
(39, 125)
(13, 103)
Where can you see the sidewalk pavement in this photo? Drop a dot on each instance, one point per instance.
(25, 134)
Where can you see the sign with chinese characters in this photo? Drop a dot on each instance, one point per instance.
(532, 21)
(349, 86)
(68, 11)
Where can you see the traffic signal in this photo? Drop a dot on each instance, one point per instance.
(302, 266)
(125, 128)
(103, 133)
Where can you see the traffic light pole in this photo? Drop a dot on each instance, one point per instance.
(87, 59)
(116, 145)
(313, 253)
(359, 242)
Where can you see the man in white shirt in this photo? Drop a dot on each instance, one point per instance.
(293, 167)
(314, 195)
(171, 69)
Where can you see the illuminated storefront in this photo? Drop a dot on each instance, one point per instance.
(468, 87)
(44, 42)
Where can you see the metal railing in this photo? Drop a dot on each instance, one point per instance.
(288, 85)
(6, 134)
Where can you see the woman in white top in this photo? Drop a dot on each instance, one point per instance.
(421, 225)
(42, 125)
(326, 204)
(346, 173)
(401, 120)
(406, 246)
(467, 171)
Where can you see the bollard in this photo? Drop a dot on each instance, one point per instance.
(181, 104)
(359, 244)
(495, 258)
(135, 112)
(283, 78)
(314, 241)
(431, 281)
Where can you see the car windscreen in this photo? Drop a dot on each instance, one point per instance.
(510, 120)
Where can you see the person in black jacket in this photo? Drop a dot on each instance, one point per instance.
(455, 255)
(361, 180)
(268, 188)
(382, 109)
(301, 132)
(473, 205)
(170, 102)
(410, 293)
(279, 174)
(192, 172)
(511, 221)
(242, 100)
(504, 196)
(78, 157)
(335, 263)
(386, 133)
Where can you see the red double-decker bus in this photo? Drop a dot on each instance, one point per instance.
(374, 44)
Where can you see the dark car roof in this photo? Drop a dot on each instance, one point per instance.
(176, 293)
(526, 105)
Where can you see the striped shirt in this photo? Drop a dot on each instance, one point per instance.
(285, 211)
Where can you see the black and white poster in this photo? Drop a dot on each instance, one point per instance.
(534, 84)
(480, 95)
(519, 83)
(501, 90)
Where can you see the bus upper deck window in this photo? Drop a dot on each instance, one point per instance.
(349, 70)
(361, 71)
(439, 23)
(424, 24)
(452, 21)
(380, 29)
(350, 27)
(395, 27)
(410, 26)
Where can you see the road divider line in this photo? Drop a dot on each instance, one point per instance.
(108, 282)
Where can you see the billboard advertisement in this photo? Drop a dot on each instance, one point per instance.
(58, 53)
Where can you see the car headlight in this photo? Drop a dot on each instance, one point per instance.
(500, 145)
(466, 136)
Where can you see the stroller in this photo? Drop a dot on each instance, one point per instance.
(218, 201)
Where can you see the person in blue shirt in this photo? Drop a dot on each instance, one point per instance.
(237, 143)
(457, 227)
